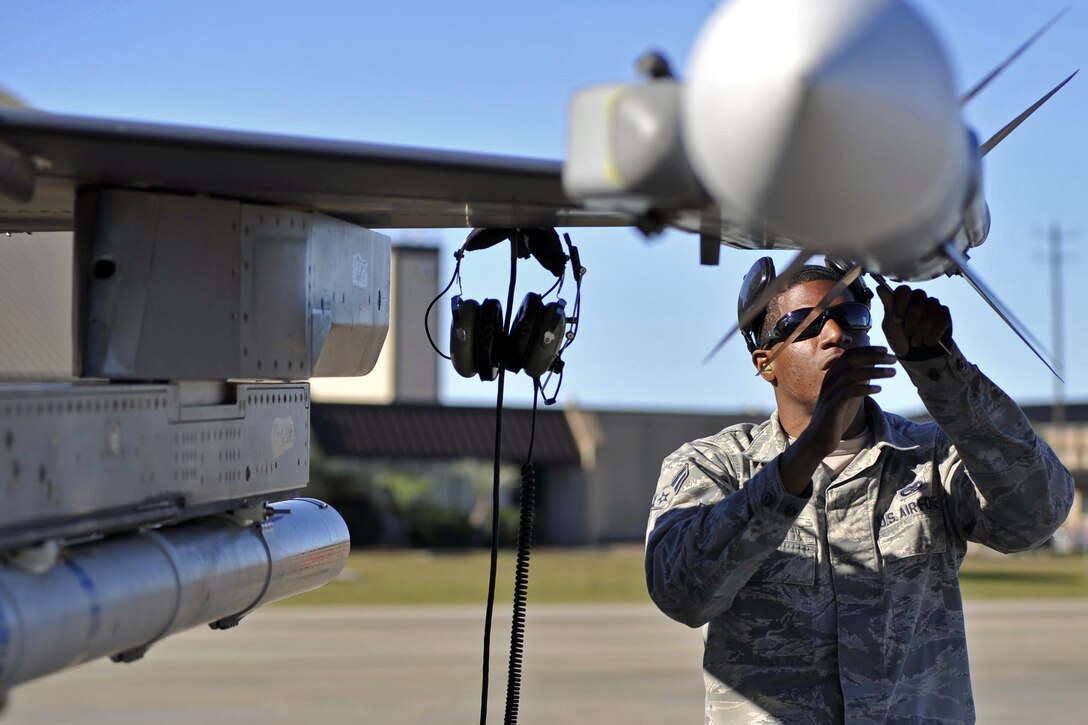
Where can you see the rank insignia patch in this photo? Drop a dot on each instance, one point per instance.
(680, 478)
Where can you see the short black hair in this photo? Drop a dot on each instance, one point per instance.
(808, 273)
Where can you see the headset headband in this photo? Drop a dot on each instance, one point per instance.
(542, 243)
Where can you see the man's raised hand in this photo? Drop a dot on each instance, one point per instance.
(916, 325)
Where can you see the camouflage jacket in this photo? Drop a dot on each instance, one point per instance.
(845, 606)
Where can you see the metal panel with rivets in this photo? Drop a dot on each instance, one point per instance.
(175, 287)
(80, 459)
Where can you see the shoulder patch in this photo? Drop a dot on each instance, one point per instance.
(679, 480)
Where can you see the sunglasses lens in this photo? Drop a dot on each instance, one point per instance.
(787, 324)
(812, 330)
(852, 315)
(849, 316)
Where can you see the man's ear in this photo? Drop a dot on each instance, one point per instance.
(759, 359)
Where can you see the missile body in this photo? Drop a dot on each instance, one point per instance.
(833, 122)
(117, 596)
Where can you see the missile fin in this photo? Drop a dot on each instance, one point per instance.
(1011, 126)
(777, 285)
(966, 97)
(960, 261)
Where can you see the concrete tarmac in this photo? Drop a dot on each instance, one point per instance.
(583, 664)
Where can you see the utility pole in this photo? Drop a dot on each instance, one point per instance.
(1056, 258)
(1057, 317)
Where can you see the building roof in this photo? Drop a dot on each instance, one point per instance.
(432, 431)
(1074, 412)
(423, 430)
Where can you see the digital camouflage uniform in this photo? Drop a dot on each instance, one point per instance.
(846, 604)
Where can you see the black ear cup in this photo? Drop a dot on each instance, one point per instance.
(536, 335)
(462, 329)
(546, 345)
(759, 276)
(476, 339)
(489, 339)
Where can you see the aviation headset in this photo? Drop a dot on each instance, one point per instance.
(762, 274)
(478, 342)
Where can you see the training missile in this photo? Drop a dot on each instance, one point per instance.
(118, 596)
(830, 126)
(835, 123)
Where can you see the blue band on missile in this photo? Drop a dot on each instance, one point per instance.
(5, 645)
(95, 607)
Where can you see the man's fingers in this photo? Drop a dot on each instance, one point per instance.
(871, 355)
(893, 330)
(913, 319)
(916, 309)
(941, 326)
(886, 297)
(932, 325)
(857, 369)
(853, 376)
(857, 391)
(901, 302)
(926, 322)
(942, 321)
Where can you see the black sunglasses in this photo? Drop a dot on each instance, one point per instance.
(853, 316)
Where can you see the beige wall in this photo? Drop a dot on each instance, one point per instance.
(414, 376)
(1070, 442)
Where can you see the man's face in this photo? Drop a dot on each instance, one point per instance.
(798, 371)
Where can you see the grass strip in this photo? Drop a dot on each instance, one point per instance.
(615, 574)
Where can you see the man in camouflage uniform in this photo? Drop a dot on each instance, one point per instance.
(820, 549)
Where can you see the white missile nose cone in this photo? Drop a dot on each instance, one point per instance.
(835, 122)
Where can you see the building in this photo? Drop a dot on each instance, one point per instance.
(596, 468)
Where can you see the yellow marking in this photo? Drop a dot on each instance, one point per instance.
(611, 169)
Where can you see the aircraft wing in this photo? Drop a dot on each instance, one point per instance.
(9, 101)
(372, 185)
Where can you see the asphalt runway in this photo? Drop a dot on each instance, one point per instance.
(583, 664)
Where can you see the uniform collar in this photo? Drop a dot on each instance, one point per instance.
(769, 439)
(884, 433)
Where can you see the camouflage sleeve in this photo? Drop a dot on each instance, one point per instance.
(708, 534)
(1007, 488)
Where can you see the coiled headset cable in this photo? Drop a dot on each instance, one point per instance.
(518, 246)
(495, 488)
(521, 572)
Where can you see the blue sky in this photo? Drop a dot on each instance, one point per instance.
(496, 76)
